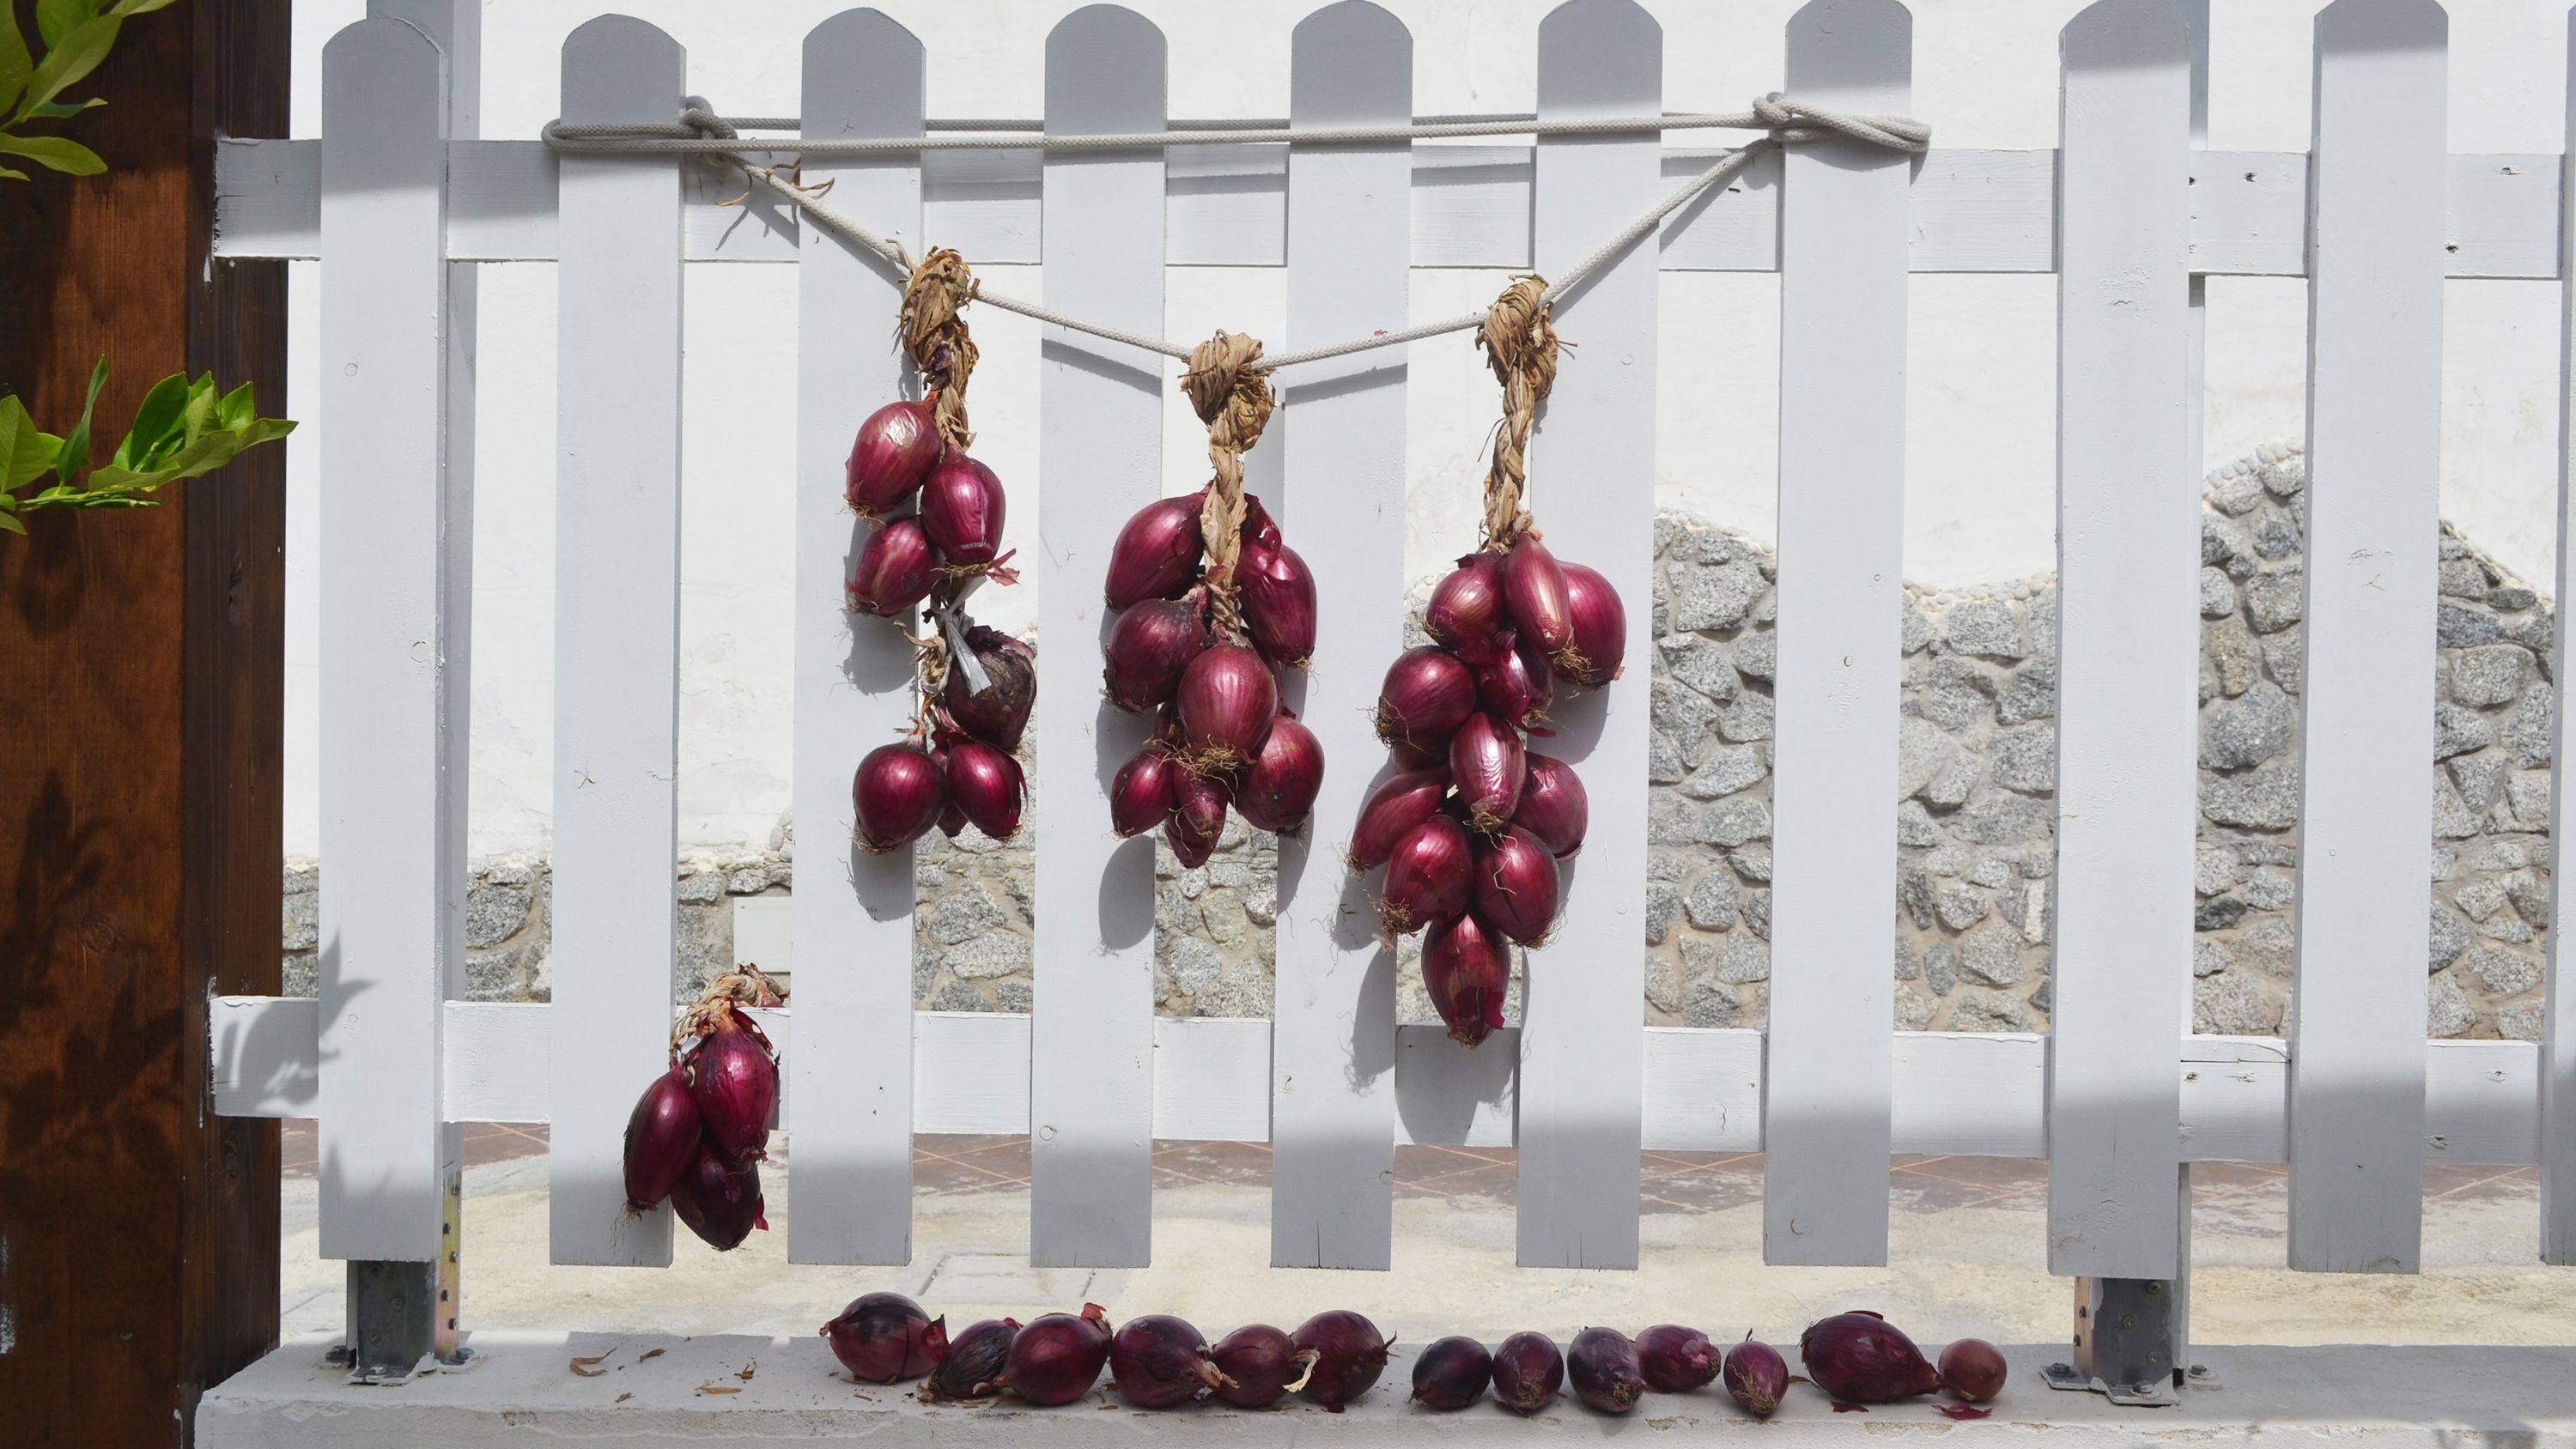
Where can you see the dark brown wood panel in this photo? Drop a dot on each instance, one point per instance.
(140, 720)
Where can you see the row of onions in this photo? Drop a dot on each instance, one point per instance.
(1159, 1362)
(937, 515)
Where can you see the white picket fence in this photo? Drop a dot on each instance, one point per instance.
(2127, 211)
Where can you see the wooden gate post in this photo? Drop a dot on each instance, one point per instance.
(141, 679)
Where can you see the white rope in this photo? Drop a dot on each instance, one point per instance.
(700, 132)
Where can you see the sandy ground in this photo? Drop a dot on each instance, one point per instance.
(1973, 1269)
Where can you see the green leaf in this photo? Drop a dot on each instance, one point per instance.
(25, 454)
(126, 9)
(156, 420)
(237, 410)
(199, 415)
(77, 55)
(8, 175)
(54, 152)
(15, 64)
(55, 18)
(73, 454)
(9, 524)
(63, 111)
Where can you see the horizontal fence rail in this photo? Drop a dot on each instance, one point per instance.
(2126, 214)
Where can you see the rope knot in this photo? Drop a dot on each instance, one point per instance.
(934, 335)
(1775, 113)
(1519, 339)
(1232, 396)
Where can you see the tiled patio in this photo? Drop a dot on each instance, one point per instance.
(1674, 1182)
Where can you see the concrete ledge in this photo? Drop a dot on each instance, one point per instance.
(523, 1389)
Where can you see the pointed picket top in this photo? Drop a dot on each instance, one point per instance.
(600, 56)
(1088, 39)
(2383, 25)
(2112, 33)
(1857, 43)
(893, 102)
(1375, 52)
(1601, 45)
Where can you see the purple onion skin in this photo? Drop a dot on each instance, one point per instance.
(1487, 763)
(1972, 1369)
(1140, 795)
(1058, 1357)
(1553, 804)
(734, 1081)
(1600, 646)
(1428, 877)
(895, 449)
(999, 713)
(1516, 887)
(1157, 553)
(1391, 812)
(1466, 608)
(1862, 1358)
(973, 1365)
(1349, 1355)
(1534, 595)
(1197, 818)
(719, 1202)
(1148, 649)
(1259, 1365)
(1428, 693)
(895, 571)
(897, 796)
(885, 1338)
(987, 786)
(1603, 1365)
(1451, 1373)
(1159, 1362)
(1467, 971)
(1278, 599)
(1757, 1377)
(1528, 1371)
(1227, 700)
(1279, 789)
(962, 509)
(661, 1140)
(1675, 1360)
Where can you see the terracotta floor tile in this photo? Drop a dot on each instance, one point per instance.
(1996, 1174)
(1005, 1157)
(1498, 1181)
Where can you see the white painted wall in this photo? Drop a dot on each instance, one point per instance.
(1980, 459)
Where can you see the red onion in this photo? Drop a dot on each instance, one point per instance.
(1406, 759)
(1513, 681)
(987, 785)
(1427, 878)
(1280, 787)
(1515, 881)
(1141, 794)
(1603, 1364)
(1349, 1355)
(1600, 628)
(896, 447)
(1158, 1361)
(1534, 594)
(1485, 763)
(1466, 608)
(1757, 1376)
(1467, 970)
(1390, 814)
(1057, 1358)
(998, 713)
(1259, 1365)
(951, 819)
(1675, 1360)
(661, 1140)
(1278, 599)
(897, 796)
(718, 1201)
(1157, 553)
(1197, 818)
(1257, 524)
(962, 508)
(1227, 700)
(973, 1365)
(1427, 695)
(1553, 806)
(1451, 1373)
(1863, 1359)
(895, 571)
(734, 1082)
(884, 1338)
(1527, 1372)
(1148, 648)
(1973, 1369)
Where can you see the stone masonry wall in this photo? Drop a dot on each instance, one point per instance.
(1974, 818)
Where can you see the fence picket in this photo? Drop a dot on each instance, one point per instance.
(1100, 448)
(1332, 1077)
(1841, 589)
(2558, 1044)
(2374, 455)
(617, 594)
(2129, 640)
(392, 929)
(852, 910)
(1592, 486)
